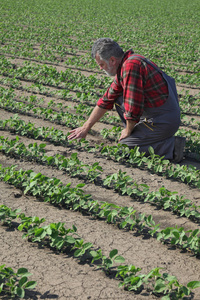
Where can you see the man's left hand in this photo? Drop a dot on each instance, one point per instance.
(128, 130)
(124, 134)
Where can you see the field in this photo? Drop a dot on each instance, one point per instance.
(89, 219)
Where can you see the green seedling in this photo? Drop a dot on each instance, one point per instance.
(15, 283)
(106, 263)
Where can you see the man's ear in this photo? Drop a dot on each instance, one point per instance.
(113, 60)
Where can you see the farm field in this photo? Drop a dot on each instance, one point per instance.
(89, 219)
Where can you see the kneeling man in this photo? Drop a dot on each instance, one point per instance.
(145, 99)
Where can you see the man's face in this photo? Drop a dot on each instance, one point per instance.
(109, 67)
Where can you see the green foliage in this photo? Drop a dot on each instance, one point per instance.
(154, 162)
(62, 239)
(29, 32)
(106, 263)
(15, 283)
(52, 190)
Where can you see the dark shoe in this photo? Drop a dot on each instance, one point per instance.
(179, 146)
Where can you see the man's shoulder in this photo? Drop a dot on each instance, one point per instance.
(134, 61)
(135, 57)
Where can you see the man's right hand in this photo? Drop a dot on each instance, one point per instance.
(81, 132)
(78, 133)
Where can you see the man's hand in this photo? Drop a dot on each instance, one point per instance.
(128, 130)
(81, 132)
(124, 134)
(78, 133)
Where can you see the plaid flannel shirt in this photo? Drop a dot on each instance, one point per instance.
(140, 84)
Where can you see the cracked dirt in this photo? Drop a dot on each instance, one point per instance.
(61, 276)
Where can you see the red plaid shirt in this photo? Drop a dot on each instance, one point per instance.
(140, 84)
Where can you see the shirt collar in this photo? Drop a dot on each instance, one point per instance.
(126, 55)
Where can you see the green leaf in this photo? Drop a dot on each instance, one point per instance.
(94, 253)
(165, 161)
(20, 292)
(49, 230)
(121, 284)
(160, 287)
(1, 287)
(119, 259)
(22, 281)
(168, 277)
(87, 246)
(195, 232)
(74, 228)
(39, 232)
(193, 284)
(70, 240)
(58, 243)
(80, 185)
(176, 234)
(42, 145)
(123, 224)
(113, 253)
(23, 272)
(185, 290)
(31, 284)
(166, 298)
(151, 151)
(79, 252)
(107, 263)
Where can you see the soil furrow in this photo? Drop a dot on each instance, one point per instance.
(144, 253)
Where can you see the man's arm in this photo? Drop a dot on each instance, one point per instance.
(81, 132)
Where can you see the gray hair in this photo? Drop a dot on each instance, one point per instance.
(106, 48)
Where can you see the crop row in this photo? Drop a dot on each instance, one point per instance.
(53, 191)
(43, 38)
(120, 182)
(189, 104)
(63, 117)
(14, 283)
(192, 122)
(8, 101)
(70, 54)
(71, 32)
(84, 62)
(67, 240)
(66, 53)
(49, 33)
(48, 75)
(133, 157)
(55, 112)
(25, 51)
(34, 88)
(81, 61)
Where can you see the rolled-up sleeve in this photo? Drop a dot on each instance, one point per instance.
(113, 92)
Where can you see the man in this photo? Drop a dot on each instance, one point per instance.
(145, 99)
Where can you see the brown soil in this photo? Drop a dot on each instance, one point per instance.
(61, 276)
